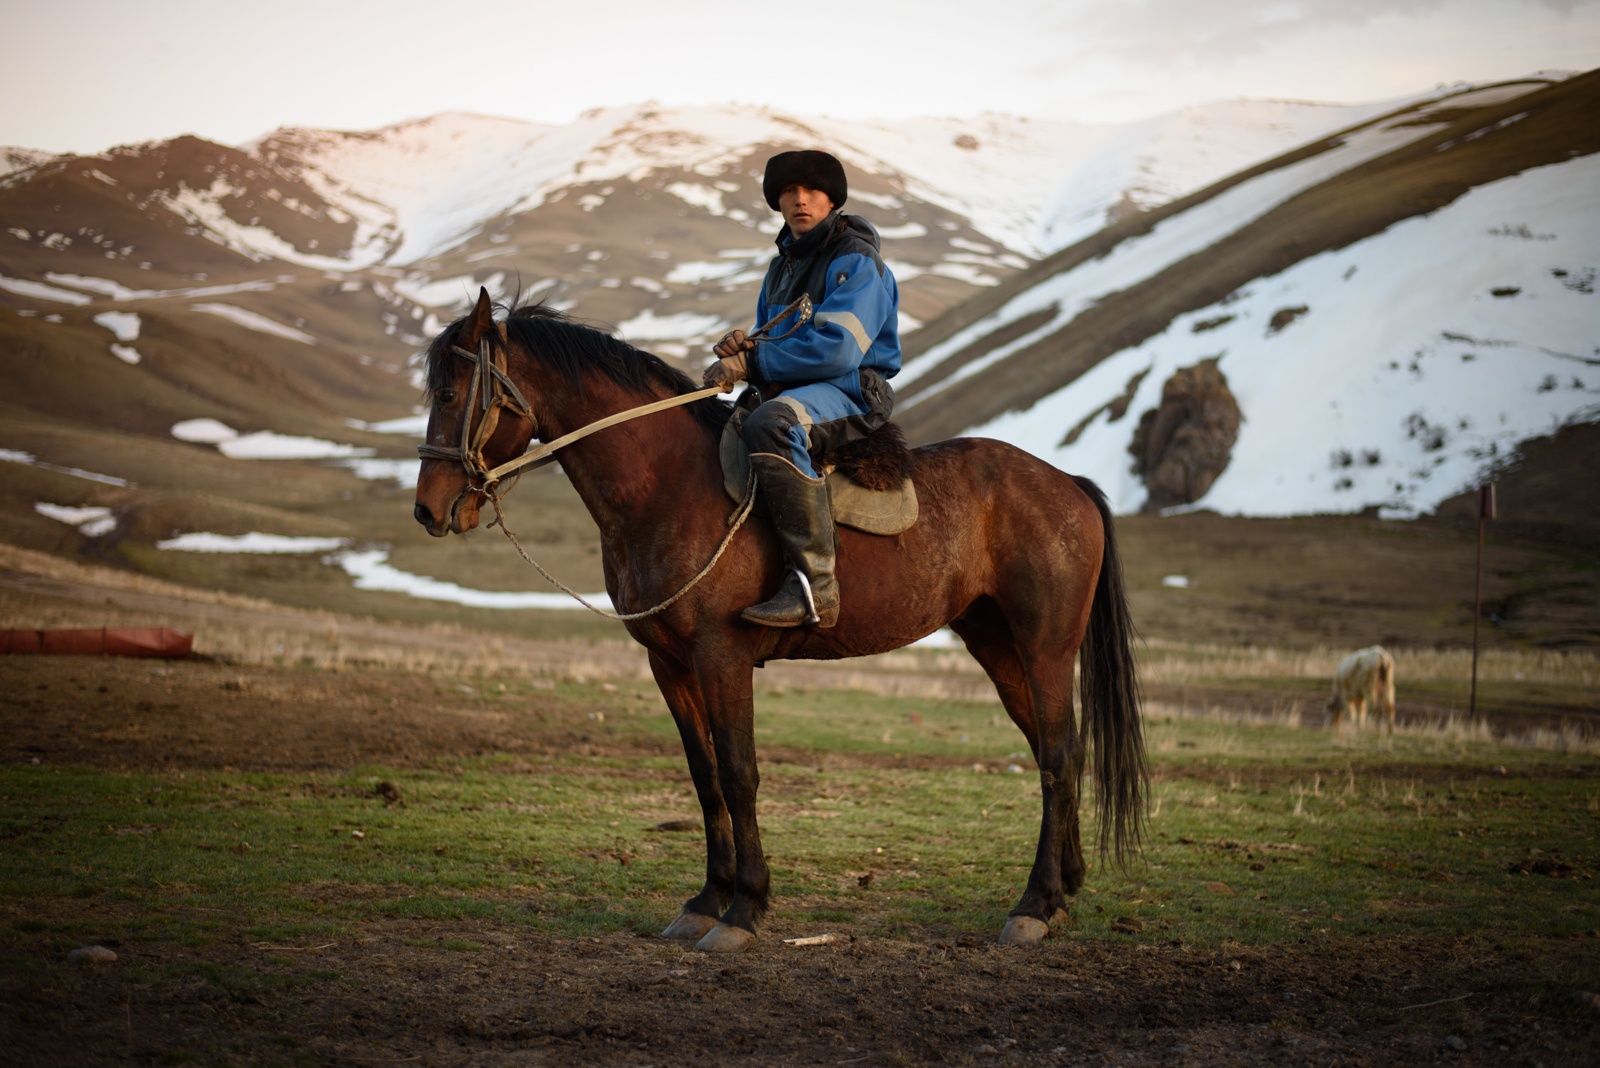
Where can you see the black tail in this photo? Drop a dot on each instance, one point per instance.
(1109, 695)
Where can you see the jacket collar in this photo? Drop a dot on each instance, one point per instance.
(814, 239)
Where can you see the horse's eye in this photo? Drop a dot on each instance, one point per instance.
(447, 396)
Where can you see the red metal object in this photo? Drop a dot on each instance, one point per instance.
(161, 642)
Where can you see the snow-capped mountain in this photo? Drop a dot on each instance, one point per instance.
(647, 218)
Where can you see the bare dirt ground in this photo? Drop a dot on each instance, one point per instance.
(636, 1000)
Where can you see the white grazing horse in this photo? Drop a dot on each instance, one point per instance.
(1365, 674)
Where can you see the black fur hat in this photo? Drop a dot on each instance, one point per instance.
(810, 168)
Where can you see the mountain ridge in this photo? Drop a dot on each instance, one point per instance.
(332, 255)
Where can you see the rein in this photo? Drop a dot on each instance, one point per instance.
(735, 522)
(492, 390)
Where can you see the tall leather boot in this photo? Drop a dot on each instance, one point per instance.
(798, 505)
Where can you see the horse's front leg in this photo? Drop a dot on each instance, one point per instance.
(725, 683)
(682, 693)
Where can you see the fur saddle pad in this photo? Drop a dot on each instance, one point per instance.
(879, 460)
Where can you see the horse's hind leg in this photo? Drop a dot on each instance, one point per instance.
(726, 686)
(1037, 694)
(683, 697)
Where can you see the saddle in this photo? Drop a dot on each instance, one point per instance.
(869, 480)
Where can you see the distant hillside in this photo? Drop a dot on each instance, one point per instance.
(1390, 309)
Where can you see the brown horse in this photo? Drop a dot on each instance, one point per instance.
(1013, 555)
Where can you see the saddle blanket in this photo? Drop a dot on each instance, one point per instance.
(874, 511)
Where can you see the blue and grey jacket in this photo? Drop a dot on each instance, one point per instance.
(855, 326)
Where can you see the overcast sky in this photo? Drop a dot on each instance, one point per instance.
(85, 75)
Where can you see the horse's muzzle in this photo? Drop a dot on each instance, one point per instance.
(463, 516)
(424, 515)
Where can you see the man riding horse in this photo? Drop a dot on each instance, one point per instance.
(821, 386)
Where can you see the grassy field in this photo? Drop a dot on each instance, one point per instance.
(357, 865)
(1258, 832)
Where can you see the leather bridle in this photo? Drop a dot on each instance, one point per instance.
(492, 391)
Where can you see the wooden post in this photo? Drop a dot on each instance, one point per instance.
(1485, 513)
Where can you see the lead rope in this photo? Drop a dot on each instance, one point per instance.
(737, 521)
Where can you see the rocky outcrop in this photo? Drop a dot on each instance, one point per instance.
(1181, 446)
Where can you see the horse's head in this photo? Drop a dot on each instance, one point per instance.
(478, 420)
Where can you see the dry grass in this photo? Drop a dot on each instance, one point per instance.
(45, 565)
(1439, 733)
(1182, 662)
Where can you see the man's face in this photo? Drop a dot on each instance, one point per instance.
(803, 207)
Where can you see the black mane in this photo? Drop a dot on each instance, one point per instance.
(572, 349)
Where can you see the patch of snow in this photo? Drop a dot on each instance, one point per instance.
(126, 353)
(699, 196)
(679, 326)
(22, 287)
(457, 292)
(1175, 582)
(415, 425)
(972, 246)
(266, 445)
(90, 521)
(693, 272)
(371, 571)
(963, 272)
(254, 542)
(403, 473)
(203, 431)
(125, 325)
(255, 321)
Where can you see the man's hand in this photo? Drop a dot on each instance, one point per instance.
(733, 343)
(726, 372)
(734, 363)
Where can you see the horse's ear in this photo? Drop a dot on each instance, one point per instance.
(482, 320)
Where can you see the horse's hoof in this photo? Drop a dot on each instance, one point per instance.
(1023, 931)
(725, 939)
(689, 927)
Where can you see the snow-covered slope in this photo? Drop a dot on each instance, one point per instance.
(1423, 354)
(1393, 309)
